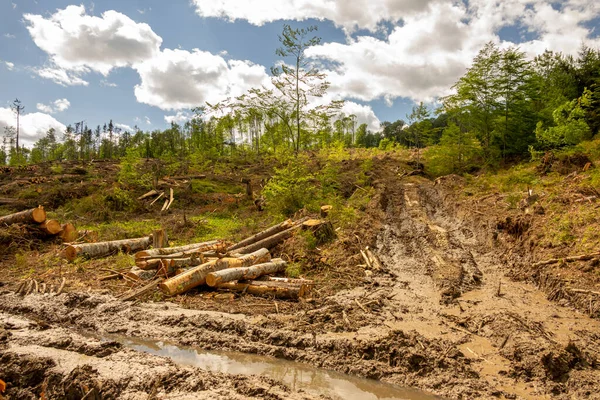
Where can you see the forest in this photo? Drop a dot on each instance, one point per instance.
(504, 109)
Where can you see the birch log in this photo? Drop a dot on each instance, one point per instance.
(245, 273)
(33, 216)
(196, 248)
(103, 249)
(51, 226)
(187, 280)
(292, 292)
(264, 234)
(268, 242)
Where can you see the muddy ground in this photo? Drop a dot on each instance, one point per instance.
(442, 316)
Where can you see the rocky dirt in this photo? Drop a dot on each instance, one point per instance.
(441, 316)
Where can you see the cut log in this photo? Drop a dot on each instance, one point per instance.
(188, 280)
(148, 264)
(322, 230)
(32, 216)
(69, 233)
(293, 281)
(262, 235)
(195, 248)
(159, 239)
(138, 274)
(245, 273)
(245, 260)
(262, 290)
(268, 242)
(103, 249)
(164, 207)
(156, 199)
(375, 262)
(304, 286)
(149, 194)
(170, 199)
(51, 226)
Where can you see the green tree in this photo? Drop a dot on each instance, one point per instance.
(571, 127)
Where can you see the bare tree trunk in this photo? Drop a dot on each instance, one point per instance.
(264, 234)
(196, 248)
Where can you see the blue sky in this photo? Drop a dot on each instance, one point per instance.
(146, 63)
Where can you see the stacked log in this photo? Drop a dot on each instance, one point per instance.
(194, 277)
(245, 273)
(34, 225)
(103, 249)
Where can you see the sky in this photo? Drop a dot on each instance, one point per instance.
(146, 63)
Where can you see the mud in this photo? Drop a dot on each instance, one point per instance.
(443, 317)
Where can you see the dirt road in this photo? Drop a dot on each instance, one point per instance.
(441, 316)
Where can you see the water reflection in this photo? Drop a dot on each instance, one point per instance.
(296, 375)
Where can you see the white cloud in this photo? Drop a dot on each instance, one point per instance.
(365, 14)
(124, 127)
(147, 120)
(32, 126)
(179, 118)
(106, 83)
(178, 79)
(9, 36)
(364, 115)
(425, 55)
(14, 5)
(58, 105)
(9, 65)
(60, 76)
(79, 42)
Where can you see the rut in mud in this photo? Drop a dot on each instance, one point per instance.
(442, 317)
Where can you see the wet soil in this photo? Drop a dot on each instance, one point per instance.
(442, 316)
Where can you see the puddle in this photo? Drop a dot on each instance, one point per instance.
(296, 375)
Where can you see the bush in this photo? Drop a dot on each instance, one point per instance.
(291, 188)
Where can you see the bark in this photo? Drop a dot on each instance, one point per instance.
(293, 281)
(51, 226)
(188, 280)
(69, 233)
(304, 287)
(245, 260)
(268, 242)
(149, 194)
(245, 273)
(148, 264)
(159, 239)
(262, 235)
(262, 290)
(103, 249)
(137, 274)
(32, 216)
(196, 248)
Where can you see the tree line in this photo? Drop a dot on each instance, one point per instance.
(504, 108)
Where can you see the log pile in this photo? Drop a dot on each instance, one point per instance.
(245, 267)
(32, 224)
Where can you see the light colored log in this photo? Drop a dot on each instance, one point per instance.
(32, 216)
(268, 242)
(164, 207)
(68, 233)
(51, 226)
(187, 280)
(195, 248)
(261, 290)
(245, 273)
(171, 198)
(245, 260)
(138, 274)
(303, 288)
(156, 199)
(103, 249)
(149, 194)
(263, 234)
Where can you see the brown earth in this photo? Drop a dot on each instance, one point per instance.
(443, 315)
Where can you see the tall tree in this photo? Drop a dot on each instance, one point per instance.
(18, 108)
